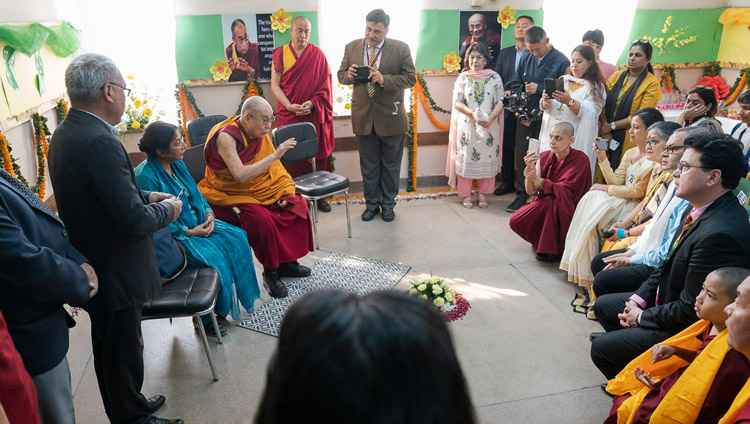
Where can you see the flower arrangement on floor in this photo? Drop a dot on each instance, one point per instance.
(452, 305)
(140, 108)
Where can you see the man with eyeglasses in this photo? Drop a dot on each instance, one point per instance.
(242, 54)
(110, 221)
(244, 171)
(714, 233)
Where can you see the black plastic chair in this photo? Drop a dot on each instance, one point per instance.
(198, 129)
(192, 294)
(318, 184)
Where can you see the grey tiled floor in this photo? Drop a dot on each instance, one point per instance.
(524, 352)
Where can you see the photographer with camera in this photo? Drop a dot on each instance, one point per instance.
(544, 62)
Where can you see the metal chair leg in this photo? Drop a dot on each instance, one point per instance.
(205, 345)
(216, 327)
(314, 224)
(348, 219)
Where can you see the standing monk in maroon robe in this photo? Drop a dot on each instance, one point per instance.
(243, 171)
(301, 81)
(738, 329)
(242, 55)
(560, 176)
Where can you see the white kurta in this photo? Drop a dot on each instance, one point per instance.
(478, 156)
(586, 123)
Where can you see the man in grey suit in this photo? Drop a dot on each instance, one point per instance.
(379, 118)
(110, 222)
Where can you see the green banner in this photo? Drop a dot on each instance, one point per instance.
(678, 36)
(198, 45)
(279, 39)
(438, 36)
(537, 15)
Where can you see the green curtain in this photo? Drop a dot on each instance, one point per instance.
(62, 39)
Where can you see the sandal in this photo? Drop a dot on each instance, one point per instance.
(467, 202)
(482, 200)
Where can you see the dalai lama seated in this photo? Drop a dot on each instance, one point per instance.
(243, 170)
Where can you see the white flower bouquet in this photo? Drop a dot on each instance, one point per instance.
(452, 305)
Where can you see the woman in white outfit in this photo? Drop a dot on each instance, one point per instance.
(580, 104)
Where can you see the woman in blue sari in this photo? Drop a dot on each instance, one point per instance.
(207, 242)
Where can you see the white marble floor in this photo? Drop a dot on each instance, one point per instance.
(524, 352)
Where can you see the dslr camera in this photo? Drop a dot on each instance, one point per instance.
(517, 102)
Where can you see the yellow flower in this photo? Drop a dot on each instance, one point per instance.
(348, 106)
(281, 21)
(449, 296)
(436, 290)
(135, 125)
(506, 17)
(147, 111)
(137, 103)
(451, 62)
(130, 77)
(439, 301)
(220, 70)
(422, 287)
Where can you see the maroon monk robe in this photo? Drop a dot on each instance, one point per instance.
(251, 57)
(17, 390)
(276, 235)
(544, 222)
(309, 78)
(731, 376)
(744, 417)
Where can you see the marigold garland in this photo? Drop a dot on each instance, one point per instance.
(62, 110)
(667, 77)
(6, 158)
(252, 88)
(188, 110)
(42, 147)
(739, 85)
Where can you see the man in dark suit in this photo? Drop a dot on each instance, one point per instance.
(715, 234)
(506, 67)
(379, 118)
(110, 221)
(41, 272)
(544, 62)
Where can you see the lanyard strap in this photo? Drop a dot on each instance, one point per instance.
(373, 60)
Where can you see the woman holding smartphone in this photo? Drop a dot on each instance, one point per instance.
(206, 241)
(579, 103)
(475, 137)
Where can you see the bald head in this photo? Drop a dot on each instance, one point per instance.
(255, 103)
(477, 25)
(565, 128)
(300, 32)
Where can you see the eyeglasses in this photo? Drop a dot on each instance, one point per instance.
(641, 41)
(591, 44)
(125, 90)
(705, 87)
(683, 167)
(673, 149)
(264, 121)
(652, 141)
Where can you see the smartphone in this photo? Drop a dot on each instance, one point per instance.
(179, 196)
(362, 73)
(533, 146)
(552, 85)
(601, 143)
(607, 234)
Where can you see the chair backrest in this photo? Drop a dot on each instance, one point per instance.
(307, 141)
(198, 129)
(195, 162)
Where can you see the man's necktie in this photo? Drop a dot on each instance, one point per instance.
(33, 198)
(373, 63)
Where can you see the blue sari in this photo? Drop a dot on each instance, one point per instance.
(226, 249)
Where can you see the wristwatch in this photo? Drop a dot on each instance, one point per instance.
(571, 102)
(613, 126)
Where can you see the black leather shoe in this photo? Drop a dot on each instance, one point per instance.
(155, 403)
(323, 205)
(595, 335)
(369, 214)
(516, 205)
(212, 333)
(604, 389)
(293, 269)
(155, 420)
(274, 286)
(504, 189)
(388, 214)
